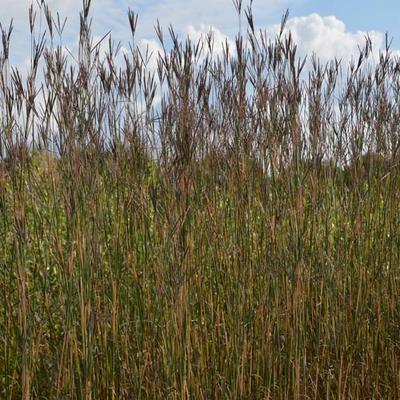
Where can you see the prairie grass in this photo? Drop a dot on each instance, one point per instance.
(239, 239)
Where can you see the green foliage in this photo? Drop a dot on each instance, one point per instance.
(203, 248)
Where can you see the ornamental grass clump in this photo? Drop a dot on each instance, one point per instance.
(211, 225)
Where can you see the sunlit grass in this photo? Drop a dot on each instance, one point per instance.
(251, 254)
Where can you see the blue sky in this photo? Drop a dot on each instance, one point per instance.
(383, 15)
(328, 28)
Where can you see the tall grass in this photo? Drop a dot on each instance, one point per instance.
(238, 239)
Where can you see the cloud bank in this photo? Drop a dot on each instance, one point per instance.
(326, 36)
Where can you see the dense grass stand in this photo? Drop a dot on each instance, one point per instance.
(224, 226)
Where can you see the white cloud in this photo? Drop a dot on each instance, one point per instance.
(328, 38)
(152, 49)
(201, 33)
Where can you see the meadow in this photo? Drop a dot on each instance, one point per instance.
(225, 226)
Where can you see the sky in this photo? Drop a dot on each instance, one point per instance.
(328, 28)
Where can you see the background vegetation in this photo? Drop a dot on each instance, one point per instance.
(238, 239)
